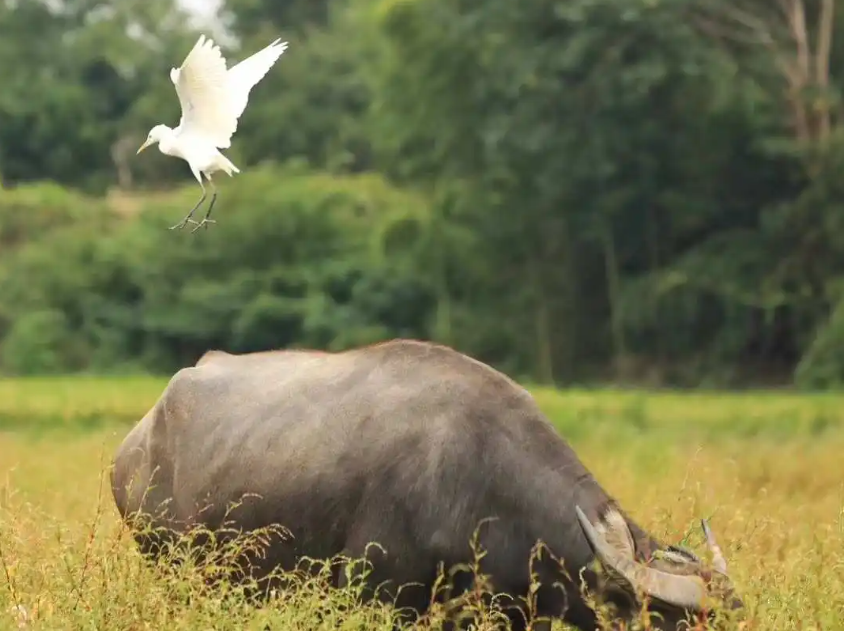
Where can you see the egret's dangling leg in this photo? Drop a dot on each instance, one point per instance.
(187, 218)
(205, 220)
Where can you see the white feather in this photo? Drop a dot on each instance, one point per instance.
(202, 87)
(244, 76)
(213, 98)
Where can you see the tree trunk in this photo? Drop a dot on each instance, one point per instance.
(442, 318)
(542, 325)
(653, 265)
(782, 28)
(613, 276)
(121, 152)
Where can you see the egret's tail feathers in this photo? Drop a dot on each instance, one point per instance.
(244, 76)
(227, 165)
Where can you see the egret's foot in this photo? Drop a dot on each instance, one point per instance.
(202, 223)
(183, 223)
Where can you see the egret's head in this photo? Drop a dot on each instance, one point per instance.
(155, 135)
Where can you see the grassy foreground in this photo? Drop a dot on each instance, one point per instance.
(767, 468)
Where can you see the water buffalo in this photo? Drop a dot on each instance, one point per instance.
(411, 445)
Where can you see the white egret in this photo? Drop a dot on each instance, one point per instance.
(212, 99)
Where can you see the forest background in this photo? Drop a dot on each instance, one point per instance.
(642, 192)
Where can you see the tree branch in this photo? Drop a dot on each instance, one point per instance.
(780, 26)
(822, 54)
(797, 25)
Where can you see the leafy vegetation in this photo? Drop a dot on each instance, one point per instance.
(775, 506)
(620, 192)
(599, 190)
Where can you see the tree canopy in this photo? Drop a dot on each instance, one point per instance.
(618, 190)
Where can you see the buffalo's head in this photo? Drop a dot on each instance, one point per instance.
(673, 582)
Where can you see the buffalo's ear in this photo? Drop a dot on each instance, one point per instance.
(612, 544)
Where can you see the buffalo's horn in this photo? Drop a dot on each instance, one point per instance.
(687, 592)
(718, 560)
(617, 535)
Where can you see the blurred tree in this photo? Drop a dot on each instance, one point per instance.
(296, 265)
(313, 106)
(569, 190)
(258, 18)
(622, 169)
(78, 74)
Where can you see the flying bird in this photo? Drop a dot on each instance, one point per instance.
(212, 99)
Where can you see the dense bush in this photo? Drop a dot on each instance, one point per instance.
(295, 260)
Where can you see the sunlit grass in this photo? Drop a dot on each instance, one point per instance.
(47, 402)
(776, 506)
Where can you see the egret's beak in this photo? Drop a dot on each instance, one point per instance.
(146, 144)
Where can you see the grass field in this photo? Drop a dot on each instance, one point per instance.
(767, 468)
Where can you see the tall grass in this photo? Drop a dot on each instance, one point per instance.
(762, 467)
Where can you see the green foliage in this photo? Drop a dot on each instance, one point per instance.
(262, 16)
(75, 79)
(620, 167)
(32, 211)
(35, 341)
(295, 266)
(822, 366)
(313, 106)
(594, 190)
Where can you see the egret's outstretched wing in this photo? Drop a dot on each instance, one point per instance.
(202, 85)
(245, 75)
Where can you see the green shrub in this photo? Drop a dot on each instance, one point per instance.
(293, 261)
(37, 343)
